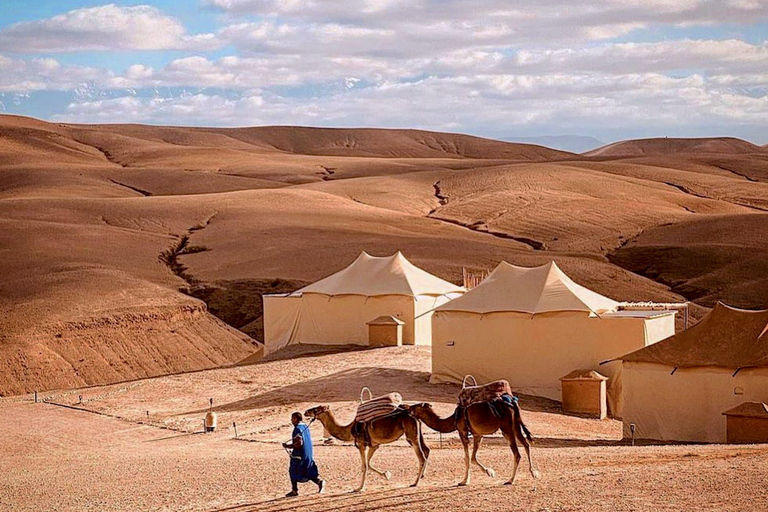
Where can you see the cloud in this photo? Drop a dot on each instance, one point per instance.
(46, 74)
(103, 28)
(487, 104)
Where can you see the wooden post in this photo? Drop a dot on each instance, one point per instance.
(35, 396)
(79, 399)
(235, 427)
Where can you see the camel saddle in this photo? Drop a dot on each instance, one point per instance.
(378, 407)
(486, 393)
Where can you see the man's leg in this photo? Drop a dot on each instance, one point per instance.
(320, 484)
(294, 489)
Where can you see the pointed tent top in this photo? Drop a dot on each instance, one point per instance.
(726, 337)
(530, 290)
(749, 410)
(372, 276)
(584, 375)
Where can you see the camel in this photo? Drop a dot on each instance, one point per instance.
(480, 420)
(385, 430)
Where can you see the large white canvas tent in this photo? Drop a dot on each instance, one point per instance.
(336, 310)
(532, 326)
(677, 389)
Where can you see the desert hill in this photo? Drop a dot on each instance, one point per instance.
(674, 146)
(118, 241)
(720, 257)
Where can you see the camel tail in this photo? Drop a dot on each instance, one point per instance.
(519, 421)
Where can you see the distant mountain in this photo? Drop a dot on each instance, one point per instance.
(671, 146)
(572, 143)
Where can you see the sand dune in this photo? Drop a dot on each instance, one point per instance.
(674, 146)
(719, 257)
(110, 234)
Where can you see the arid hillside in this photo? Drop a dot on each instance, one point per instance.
(119, 241)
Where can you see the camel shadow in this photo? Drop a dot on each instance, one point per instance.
(368, 501)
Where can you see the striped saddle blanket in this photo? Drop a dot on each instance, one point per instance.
(377, 407)
(486, 393)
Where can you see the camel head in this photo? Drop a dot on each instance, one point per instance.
(417, 409)
(316, 411)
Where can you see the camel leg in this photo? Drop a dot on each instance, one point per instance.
(425, 450)
(413, 439)
(475, 446)
(371, 451)
(465, 443)
(527, 446)
(364, 462)
(516, 453)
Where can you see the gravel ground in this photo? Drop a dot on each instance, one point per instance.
(64, 459)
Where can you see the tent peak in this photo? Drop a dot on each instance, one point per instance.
(541, 289)
(373, 276)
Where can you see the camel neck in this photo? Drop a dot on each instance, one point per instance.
(341, 432)
(435, 422)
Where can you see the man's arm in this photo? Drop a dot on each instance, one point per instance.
(297, 442)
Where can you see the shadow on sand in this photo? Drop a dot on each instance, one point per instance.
(345, 386)
(396, 498)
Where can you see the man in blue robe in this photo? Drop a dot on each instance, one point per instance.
(303, 467)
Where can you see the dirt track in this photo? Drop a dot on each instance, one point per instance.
(57, 458)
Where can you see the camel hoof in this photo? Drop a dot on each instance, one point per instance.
(358, 490)
(388, 475)
(490, 472)
(508, 482)
(462, 484)
(535, 473)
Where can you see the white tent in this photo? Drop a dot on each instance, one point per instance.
(335, 310)
(531, 326)
(677, 389)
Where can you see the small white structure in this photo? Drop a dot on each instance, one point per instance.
(533, 325)
(678, 389)
(337, 309)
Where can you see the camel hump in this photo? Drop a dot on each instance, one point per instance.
(484, 393)
(378, 407)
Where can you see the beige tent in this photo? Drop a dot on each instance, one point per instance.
(336, 310)
(531, 326)
(677, 389)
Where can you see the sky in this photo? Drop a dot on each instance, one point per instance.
(611, 69)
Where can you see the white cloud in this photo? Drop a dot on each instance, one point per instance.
(580, 102)
(107, 27)
(46, 74)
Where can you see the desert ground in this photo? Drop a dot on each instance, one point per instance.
(97, 449)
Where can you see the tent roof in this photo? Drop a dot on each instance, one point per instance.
(584, 375)
(385, 320)
(529, 290)
(726, 337)
(387, 275)
(749, 410)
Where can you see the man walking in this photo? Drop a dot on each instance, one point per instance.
(303, 467)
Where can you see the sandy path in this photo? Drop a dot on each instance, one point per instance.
(62, 459)
(57, 458)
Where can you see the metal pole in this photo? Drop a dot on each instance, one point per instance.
(632, 430)
(235, 427)
(35, 396)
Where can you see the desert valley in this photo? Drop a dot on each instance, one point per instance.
(135, 257)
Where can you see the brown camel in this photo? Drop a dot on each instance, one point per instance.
(481, 420)
(385, 430)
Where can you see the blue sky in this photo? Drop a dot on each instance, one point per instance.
(612, 69)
